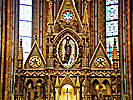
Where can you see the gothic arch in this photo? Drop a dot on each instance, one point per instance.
(94, 86)
(29, 83)
(39, 89)
(107, 85)
(71, 32)
(29, 89)
(39, 81)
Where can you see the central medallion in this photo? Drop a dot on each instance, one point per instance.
(67, 51)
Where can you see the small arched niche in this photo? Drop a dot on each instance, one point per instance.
(95, 85)
(29, 89)
(39, 83)
(67, 92)
(108, 88)
(39, 91)
(29, 84)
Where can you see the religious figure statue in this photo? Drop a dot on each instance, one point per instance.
(67, 51)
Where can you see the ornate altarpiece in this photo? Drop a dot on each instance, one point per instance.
(67, 73)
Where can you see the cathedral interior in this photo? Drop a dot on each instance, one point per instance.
(66, 49)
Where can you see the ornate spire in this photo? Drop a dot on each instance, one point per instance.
(50, 13)
(114, 56)
(20, 56)
(57, 82)
(50, 58)
(77, 82)
(35, 36)
(85, 19)
(35, 39)
(100, 37)
(20, 53)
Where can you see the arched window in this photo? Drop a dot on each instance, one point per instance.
(25, 25)
(111, 25)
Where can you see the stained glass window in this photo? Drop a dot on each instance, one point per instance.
(111, 2)
(110, 41)
(111, 26)
(25, 25)
(111, 12)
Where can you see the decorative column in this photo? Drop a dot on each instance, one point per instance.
(44, 31)
(35, 17)
(50, 31)
(129, 50)
(92, 27)
(89, 27)
(101, 22)
(116, 69)
(85, 91)
(2, 61)
(49, 87)
(85, 37)
(78, 88)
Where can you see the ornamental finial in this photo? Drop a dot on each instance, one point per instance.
(85, 19)
(20, 53)
(50, 13)
(115, 50)
(35, 36)
(114, 56)
(100, 37)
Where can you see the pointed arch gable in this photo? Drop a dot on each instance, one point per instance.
(67, 80)
(72, 7)
(72, 33)
(35, 51)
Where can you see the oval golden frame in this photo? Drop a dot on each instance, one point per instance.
(58, 51)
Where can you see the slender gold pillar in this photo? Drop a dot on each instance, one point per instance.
(78, 89)
(3, 49)
(57, 94)
(78, 93)
(35, 20)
